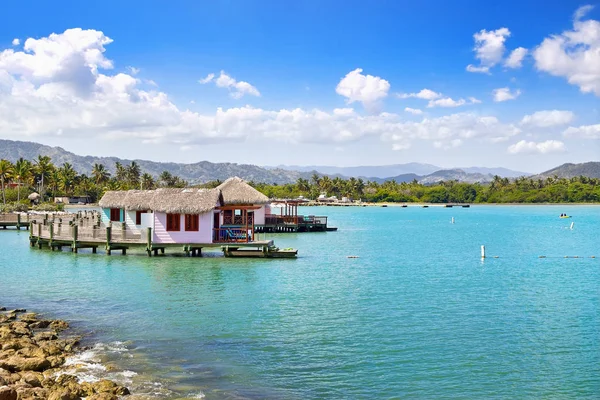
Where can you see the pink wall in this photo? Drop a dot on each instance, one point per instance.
(204, 235)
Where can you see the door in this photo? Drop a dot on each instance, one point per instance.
(216, 226)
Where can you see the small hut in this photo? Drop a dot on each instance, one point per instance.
(242, 204)
(112, 204)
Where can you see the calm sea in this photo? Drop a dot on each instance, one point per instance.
(417, 315)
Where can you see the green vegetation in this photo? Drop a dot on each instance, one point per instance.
(19, 180)
(579, 189)
(24, 177)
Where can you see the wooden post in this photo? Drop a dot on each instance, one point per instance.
(149, 241)
(51, 236)
(108, 238)
(19, 221)
(123, 230)
(74, 246)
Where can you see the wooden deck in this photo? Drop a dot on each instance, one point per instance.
(300, 223)
(87, 232)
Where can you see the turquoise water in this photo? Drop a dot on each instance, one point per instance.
(417, 315)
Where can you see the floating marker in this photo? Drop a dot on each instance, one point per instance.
(572, 223)
(482, 251)
(452, 221)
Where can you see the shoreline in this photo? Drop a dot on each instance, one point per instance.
(35, 362)
(441, 205)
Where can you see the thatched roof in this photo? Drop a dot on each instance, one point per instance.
(185, 201)
(236, 191)
(138, 200)
(113, 199)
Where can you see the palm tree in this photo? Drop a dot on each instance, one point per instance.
(22, 173)
(166, 178)
(133, 173)
(43, 168)
(67, 177)
(147, 182)
(100, 174)
(120, 172)
(6, 174)
(303, 185)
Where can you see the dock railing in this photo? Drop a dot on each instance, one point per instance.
(233, 235)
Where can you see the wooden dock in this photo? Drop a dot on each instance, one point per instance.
(85, 231)
(300, 223)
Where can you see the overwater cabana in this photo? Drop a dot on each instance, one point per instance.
(282, 216)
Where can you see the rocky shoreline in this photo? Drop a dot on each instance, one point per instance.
(32, 358)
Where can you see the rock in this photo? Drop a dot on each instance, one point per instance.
(20, 328)
(29, 317)
(45, 336)
(106, 386)
(63, 394)
(34, 379)
(32, 393)
(3, 319)
(30, 352)
(20, 310)
(86, 389)
(59, 325)
(56, 361)
(50, 348)
(65, 379)
(17, 344)
(2, 308)
(18, 363)
(9, 377)
(8, 393)
(42, 324)
(102, 396)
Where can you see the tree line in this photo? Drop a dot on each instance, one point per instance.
(40, 175)
(18, 180)
(579, 189)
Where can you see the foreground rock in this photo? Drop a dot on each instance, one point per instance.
(31, 357)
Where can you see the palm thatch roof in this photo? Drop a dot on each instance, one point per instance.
(236, 191)
(185, 201)
(113, 199)
(138, 200)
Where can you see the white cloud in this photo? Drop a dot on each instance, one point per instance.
(425, 94)
(133, 70)
(208, 79)
(366, 89)
(448, 145)
(548, 118)
(504, 94)
(414, 111)
(237, 89)
(549, 146)
(16, 42)
(515, 59)
(450, 102)
(574, 54)
(60, 86)
(489, 48)
(482, 70)
(583, 131)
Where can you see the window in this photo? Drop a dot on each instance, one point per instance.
(173, 222)
(138, 216)
(115, 214)
(191, 222)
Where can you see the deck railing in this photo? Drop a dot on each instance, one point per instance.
(274, 219)
(233, 235)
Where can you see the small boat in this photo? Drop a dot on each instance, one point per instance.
(565, 216)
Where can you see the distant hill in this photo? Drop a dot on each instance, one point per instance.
(200, 172)
(377, 171)
(502, 172)
(588, 169)
(455, 175)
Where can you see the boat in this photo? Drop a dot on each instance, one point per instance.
(270, 252)
(565, 216)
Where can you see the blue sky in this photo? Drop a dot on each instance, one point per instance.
(287, 67)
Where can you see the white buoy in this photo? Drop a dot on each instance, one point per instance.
(482, 251)
(452, 221)
(572, 223)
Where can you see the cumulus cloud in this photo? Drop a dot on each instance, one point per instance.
(16, 42)
(489, 49)
(574, 54)
(504, 94)
(425, 94)
(62, 85)
(366, 89)
(583, 131)
(515, 59)
(450, 102)
(548, 118)
(525, 147)
(237, 89)
(414, 111)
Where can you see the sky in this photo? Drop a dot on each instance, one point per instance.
(460, 83)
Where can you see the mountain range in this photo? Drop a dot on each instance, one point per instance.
(205, 171)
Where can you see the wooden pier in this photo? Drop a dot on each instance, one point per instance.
(85, 231)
